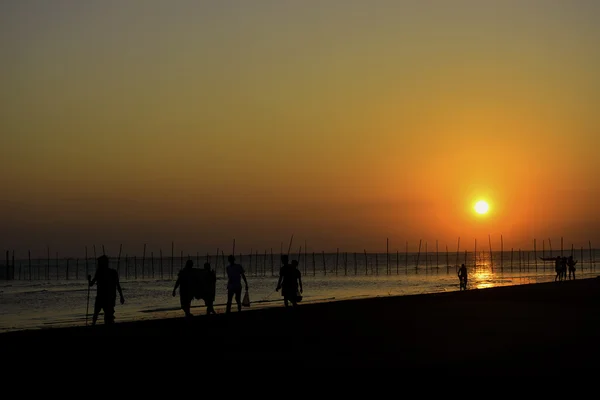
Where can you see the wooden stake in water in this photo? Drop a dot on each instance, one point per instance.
(426, 257)
(86, 263)
(418, 256)
(457, 250)
(337, 255)
(119, 258)
(535, 254)
(592, 258)
(447, 261)
(474, 255)
(387, 254)
(366, 263)
(582, 263)
(152, 262)
(437, 256)
(406, 260)
(397, 261)
(290, 246)
(305, 257)
(501, 254)
(144, 262)
(511, 259)
(491, 256)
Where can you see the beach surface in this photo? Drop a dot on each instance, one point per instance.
(525, 329)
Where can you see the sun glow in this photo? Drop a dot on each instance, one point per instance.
(482, 207)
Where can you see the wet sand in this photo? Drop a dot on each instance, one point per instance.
(534, 329)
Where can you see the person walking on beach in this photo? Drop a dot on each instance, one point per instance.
(209, 280)
(290, 279)
(463, 277)
(235, 274)
(107, 280)
(185, 283)
(571, 264)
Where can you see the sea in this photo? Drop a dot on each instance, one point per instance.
(46, 293)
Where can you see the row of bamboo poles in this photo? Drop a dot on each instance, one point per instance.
(258, 264)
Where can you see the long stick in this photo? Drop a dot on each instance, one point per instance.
(290, 246)
(535, 253)
(418, 256)
(491, 257)
(119, 258)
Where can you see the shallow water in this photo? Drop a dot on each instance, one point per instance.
(36, 304)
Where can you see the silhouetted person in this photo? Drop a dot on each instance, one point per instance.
(185, 282)
(107, 280)
(558, 269)
(289, 279)
(571, 264)
(235, 274)
(563, 268)
(209, 280)
(463, 277)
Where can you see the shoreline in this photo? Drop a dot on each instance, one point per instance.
(528, 328)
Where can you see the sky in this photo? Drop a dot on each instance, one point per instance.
(342, 122)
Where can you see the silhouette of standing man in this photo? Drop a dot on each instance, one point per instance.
(289, 277)
(571, 263)
(235, 274)
(463, 277)
(185, 283)
(209, 279)
(106, 293)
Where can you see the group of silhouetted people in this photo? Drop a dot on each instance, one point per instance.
(202, 286)
(194, 283)
(561, 265)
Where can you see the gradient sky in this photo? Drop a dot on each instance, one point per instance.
(343, 122)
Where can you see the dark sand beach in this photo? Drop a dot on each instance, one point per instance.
(526, 329)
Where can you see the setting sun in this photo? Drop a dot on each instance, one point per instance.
(482, 207)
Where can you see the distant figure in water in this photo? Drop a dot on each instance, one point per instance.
(290, 279)
(185, 283)
(106, 294)
(235, 274)
(209, 280)
(571, 264)
(463, 277)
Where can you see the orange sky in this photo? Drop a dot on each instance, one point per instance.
(342, 123)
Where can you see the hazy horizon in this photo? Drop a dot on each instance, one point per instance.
(341, 122)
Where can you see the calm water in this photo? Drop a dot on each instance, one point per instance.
(50, 299)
